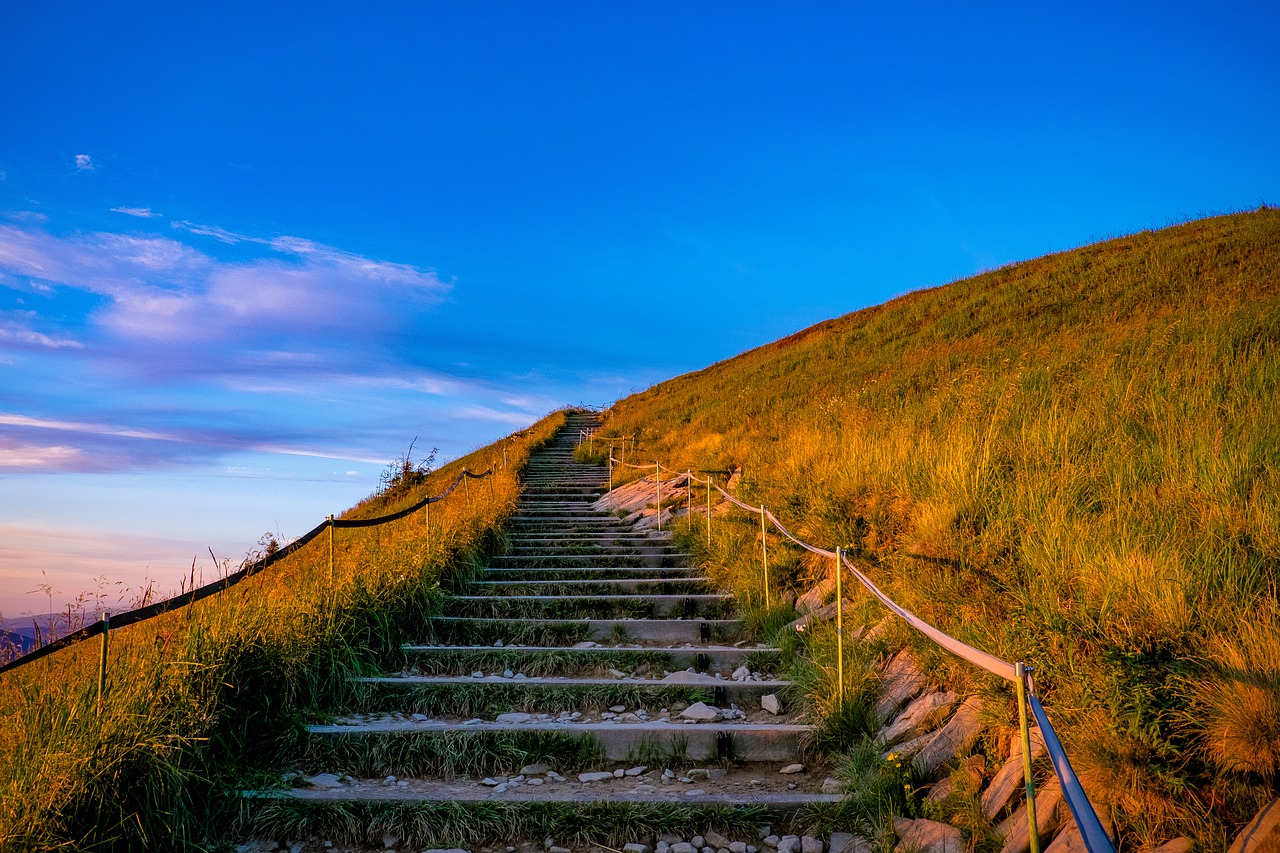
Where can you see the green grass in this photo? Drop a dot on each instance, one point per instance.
(449, 753)
(566, 662)
(202, 699)
(489, 700)
(1072, 461)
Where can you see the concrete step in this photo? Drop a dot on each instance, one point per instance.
(652, 558)
(699, 742)
(588, 572)
(566, 632)
(594, 588)
(714, 605)
(538, 660)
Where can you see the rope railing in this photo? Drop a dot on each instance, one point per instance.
(177, 602)
(1093, 834)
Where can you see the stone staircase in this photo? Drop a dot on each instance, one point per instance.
(587, 664)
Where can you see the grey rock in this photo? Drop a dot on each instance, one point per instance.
(514, 717)
(701, 712)
(506, 673)
(477, 674)
(502, 788)
(698, 841)
(325, 781)
(633, 847)
(682, 847)
(559, 850)
(917, 714)
(535, 769)
(737, 847)
(960, 733)
(831, 786)
(686, 677)
(771, 703)
(841, 842)
(1051, 810)
(534, 781)
(789, 844)
(489, 782)
(619, 773)
(928, 836)
(635, 771)
(390, 840)
(717, 773)
(617, 673)
(742, 673)
(586, 644)
(1176, 845)
(497, 644)
(390, 780)
(791, 769)
(715, 839)
(1010, 778)
(599, 776)
(618, 709)
(809, 844)
(771, 841)
(1260, 834)
(900, 681)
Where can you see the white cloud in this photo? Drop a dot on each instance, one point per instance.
(24, 336)
(140, 212)
(77, 426)
(84, 163)
(22, 455)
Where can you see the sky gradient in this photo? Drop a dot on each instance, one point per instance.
(249, 252)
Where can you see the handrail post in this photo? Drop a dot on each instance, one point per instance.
(688, 482)
(764, 557)
(611, 476)
(102, 663)
(839, 625)
(428, 521)
(709, 476)
(1020, 671)
(329, 520)
(657, 478)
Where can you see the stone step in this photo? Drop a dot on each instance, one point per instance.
(536, 660)
(594, 606)
(652, 558)
(494, 694)
(588, 572)
(569, 631)
(594, 588)
(699, 742)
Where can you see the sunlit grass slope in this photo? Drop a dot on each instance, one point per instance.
(1072, 461)
(201, 701)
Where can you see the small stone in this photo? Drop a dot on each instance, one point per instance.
(497, 644)
(598, 776)
(839, 842)
(323, 780)
(771, 703)
(831, 786)
(390, 780)
(633, 847)
(617, 673)
(715, 839)
(668, 774)
(737, 847)
(700, 711)
(717, 773)
(635, 771)
(809, 844)
(771, 840)
(534, 781)
(697, 773)
(742, 673)
(390, 840)
(477, 674)
(514, 717)
(662, 847)
(419, 718)
(402, 784)
(535, 770)
(755, 783)
(698, 841)
(682, 847)
(791, 786)
(586, 644)
(789, 844)
(502, 788)
(519, 676)
(506, 673)
(619, 773)
(559, 850)
(618, 709)
(685, 779)
(792, 768)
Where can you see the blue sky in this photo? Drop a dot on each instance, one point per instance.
(248, 252)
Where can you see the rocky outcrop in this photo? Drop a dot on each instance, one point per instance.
(1262, 833)
(928, 836)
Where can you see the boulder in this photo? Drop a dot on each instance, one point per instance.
(959, 734)
(700, 711)
(814, 598)
(916, 715)
(1051, 811)
(1260, 834)
(901, 680)
(770, 703)
(1010, 778)
(928, 836)
(971, 771)
(1177, 845)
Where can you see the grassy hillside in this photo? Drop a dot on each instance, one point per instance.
(200, 700)
(1072, 461)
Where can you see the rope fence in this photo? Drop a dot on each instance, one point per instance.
(111, 622)
(1092, 833)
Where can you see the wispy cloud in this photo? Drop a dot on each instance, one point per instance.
(76, 426)
(84, 163)
(17, 335)
(22, 455)
(140, 212)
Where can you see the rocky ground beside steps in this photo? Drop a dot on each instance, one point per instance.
(765, 840)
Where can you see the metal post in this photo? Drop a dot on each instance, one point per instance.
(102, 664)
(330, 520)
(466, 482)
(657, 476)
(428, 509)
(688, 483)
(709, 476)
(611, 476)
(839, 625)
(764, 557)
(1020, 676)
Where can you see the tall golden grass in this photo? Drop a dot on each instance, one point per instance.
(201, 701)
(1071, 461)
